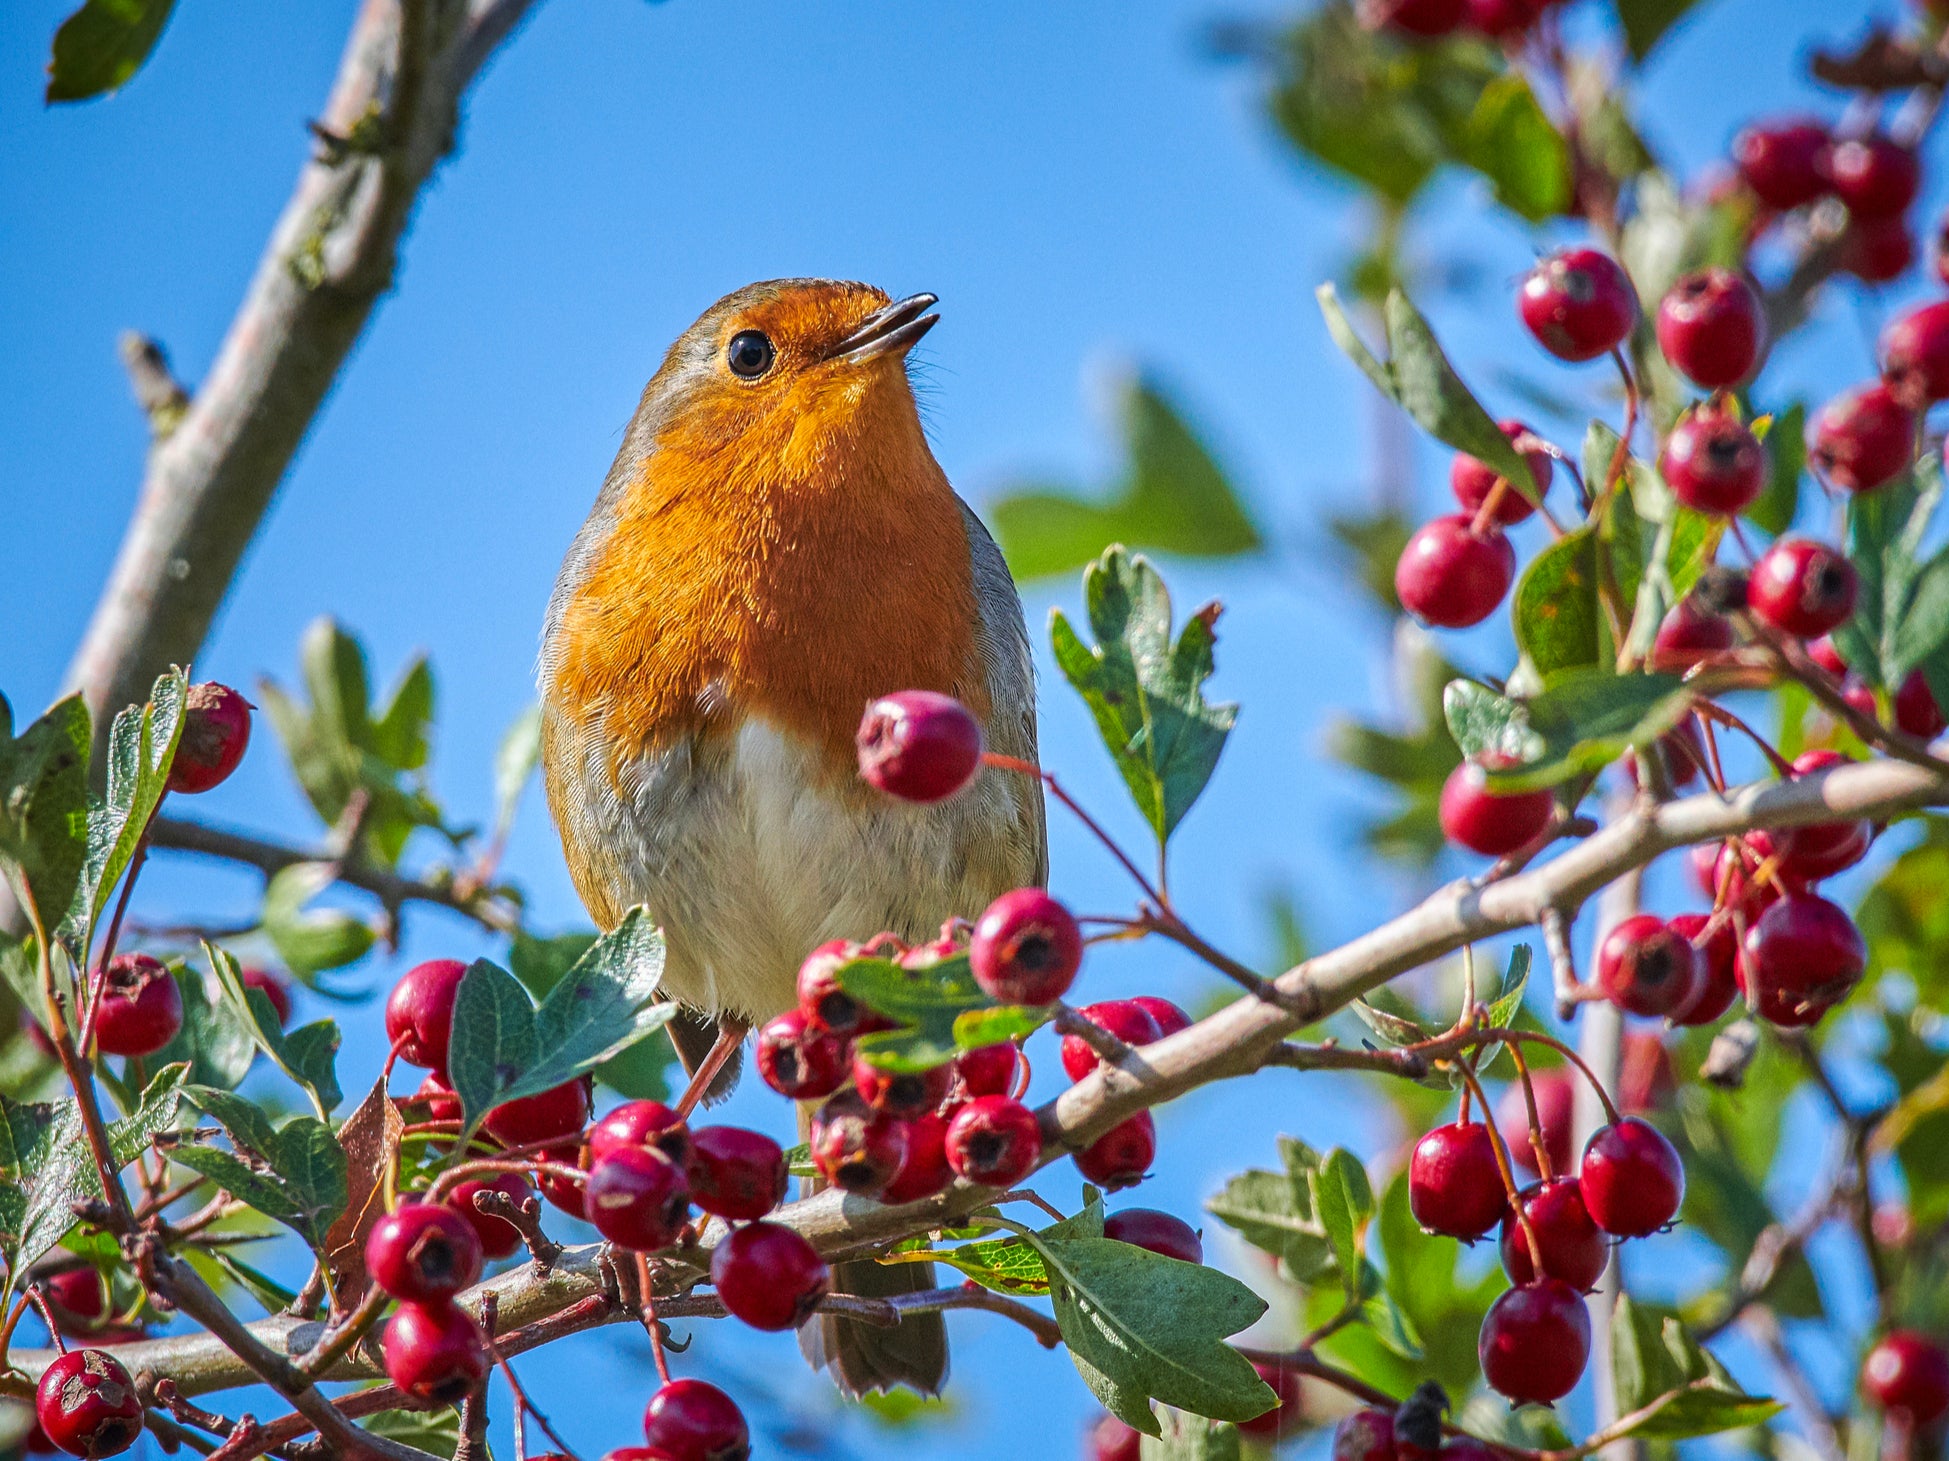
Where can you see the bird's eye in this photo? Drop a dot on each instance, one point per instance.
(749, 355)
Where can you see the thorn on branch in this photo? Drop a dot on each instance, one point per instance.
(525, 1217)
(157, 391)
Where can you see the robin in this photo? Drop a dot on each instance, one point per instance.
(774, 548)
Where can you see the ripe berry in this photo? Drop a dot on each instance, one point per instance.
(423, 1252)
(1120, 1157)
(1916, 711)
(272, 987)
(559, 1111)
(696, 1421)
(1026, 948)
(1160, 1232)
(434, 1352)
(991, 1070)
(1688, 633)
(828, 1008)
(141, 1008)
(1875, 176)
(216, 730)
(1863, 439)
(1504, 19)
(1632, 1179)
(1915, 355)
(637, 1199)
(1472, 480)
(924, 1169)
(769, 1276)
(1556, 1105)
(994, 1141)
(641, 1123)
(437, 1097)
(1454, 1184)
(1716, 988)
(1111, 1440)
(1710, 326)
(1818, 849)
(1170, 1018)
(565, 1193)
(1494, 823)
(1646, 967)
(855, 1147)
(419, 1013)
(1909, 1372)
(1876, 250)
(1802, 587)
(86, 1404)
(1366, 1435)
(79, 1299)
(1714, 463)
(1452, 576)
(798, 1061)
(1424, 18)
(1579, 304)
(902, 1093)
(919, 746)
(1823, 652)
(1784, 164)
(1574, 1248)
(1535, 1342)
(1801, 957)
(1283, 1417)
(736, 1174)
(498, 1237)
(1129, 1021)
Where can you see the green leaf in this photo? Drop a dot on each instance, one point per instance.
(1905, 918)
(215, 1042)
(1518, 149)
(1579, 725)
(309, 940)
(1006, 1265)
(293, 1174)
(493, 1042)
(436, 1432)
(1646, 21)
(308, 1054)
(929, 1003)
(514, 765)
(102, 45)
(44, 809)
(1273, 1211)
(1429, 390)
(1173, 497)
(141, 744)
(1444, 1302)
(1786, 449)
(1188, 1437)
(1653, 1359)
(1515, 983)
(1886, 529)
(1371, 542)
(1389, 1015)
(1559, 624)
(976, 1028)
(1345, 1204)
(1145, 690)
(268, 1292)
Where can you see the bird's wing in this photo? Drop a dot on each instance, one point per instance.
(1002, 641)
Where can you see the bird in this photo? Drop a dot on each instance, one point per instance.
(774, 548)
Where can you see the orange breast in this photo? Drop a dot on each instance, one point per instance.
(794, 568)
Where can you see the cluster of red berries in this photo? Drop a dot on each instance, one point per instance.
(1792, 164)
(1554, 1239)
(1504, 20)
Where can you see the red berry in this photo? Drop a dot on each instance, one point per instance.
(216, 730)
(1875, 176)
(1494, 823)
(1111, 1440)
(419, 1013)
(1129, 1021)
(1026, 948)
(1283, 1418)
(434, 1352)
(423, 1252)
(1689, 633)
(1876, 250)
(919, 746)
(1556, 1105)
(1452, 576)
(1863, 439)
(736, 1174)
(991, 1070)
(1818, 849)
(1425, 18)
(696, 1421)
(1170, 1017)
(1160, 1232)
(1714, 463)
(1574, 1248)
(498, 1237)
(993, 1141)
(1631, 1178)
(1915, 354)
(559, 1111)
(1784, 164)
(902, 1093)
(637, 1199)
(79, 1299)
(1801, 957)
(1472, 480)
(273, 988)
(141, 1008)
(924, 1169)
(828, 1008)
(1916, 711)
(798, 1061)
(565, 1193)
(86, 1404)
(1717, 987)
(1579, 304)
(1710, 326)
(1454, 1184)
(641, 1123)
(857, 1148)
(438, 1098)
(1535, 1342)
(1122, 1155)
(1802, 587)
(1646, 967)
(769, 1276)
(1823, 653)
(1909, 1372)
(1504, 19)
(1366, 1435)
(619, 1453)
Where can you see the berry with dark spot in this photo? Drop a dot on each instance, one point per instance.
(216, 732)
(87, 1405)
(1026, 948)
(1579, 304)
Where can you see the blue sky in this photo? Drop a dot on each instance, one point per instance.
(1082, 188)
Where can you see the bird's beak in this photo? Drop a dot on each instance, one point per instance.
(893, 330)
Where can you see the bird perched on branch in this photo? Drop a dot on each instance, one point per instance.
(774, 548)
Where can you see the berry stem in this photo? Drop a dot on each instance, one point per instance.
(1503, 1167)
(1025, 768)
(647, 1313)
(1539, 1038)
(509, 1160)
(1536, 1142)
(1709, 712)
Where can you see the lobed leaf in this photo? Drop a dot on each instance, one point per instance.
(44, 810)
(294, 1174)
(308, 1054)
(141, 745)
